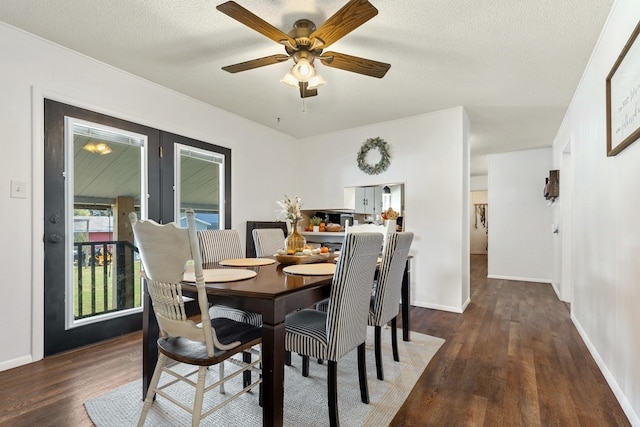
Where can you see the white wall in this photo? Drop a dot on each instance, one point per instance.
(429, 153)
(32, 69)
(605, 245)
(479, 183)
(520, 245)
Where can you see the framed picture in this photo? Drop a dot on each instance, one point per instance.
(623, 97)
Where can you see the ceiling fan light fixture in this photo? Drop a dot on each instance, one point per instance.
(289, 80)
(316, 81)
(303, 71)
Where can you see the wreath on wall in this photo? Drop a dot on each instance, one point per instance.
(382, 147)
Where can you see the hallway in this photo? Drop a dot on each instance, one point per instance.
(512, 358)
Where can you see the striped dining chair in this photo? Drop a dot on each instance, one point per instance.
(332, 334)
(268, 241)
(385, 302)
(218, 245)
(215, 246)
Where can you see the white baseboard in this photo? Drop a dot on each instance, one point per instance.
(14, 363)
(439, 307)
(519, 279)
(555, 289)
(617, 391)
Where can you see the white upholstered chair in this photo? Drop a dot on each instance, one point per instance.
(268, 241)
(385, 302)
(165, 251)
(332, 334)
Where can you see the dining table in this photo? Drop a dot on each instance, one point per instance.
(273, 293)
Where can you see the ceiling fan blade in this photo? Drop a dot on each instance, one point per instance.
(306, 93)
(255, 63)
(347, 19)
(368, 67)
(242, 15)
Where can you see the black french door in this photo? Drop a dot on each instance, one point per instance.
(98, 169)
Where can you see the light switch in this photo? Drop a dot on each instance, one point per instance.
(18, 189)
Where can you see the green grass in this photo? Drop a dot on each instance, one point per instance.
(99, 289)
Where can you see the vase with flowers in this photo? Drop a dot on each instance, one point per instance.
(290, 210)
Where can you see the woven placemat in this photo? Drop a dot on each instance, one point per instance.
(246, 262)
(220, 275)
(319, 269)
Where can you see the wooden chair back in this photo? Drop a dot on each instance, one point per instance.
(165, 251)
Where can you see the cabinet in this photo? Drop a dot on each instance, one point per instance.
(368, 200)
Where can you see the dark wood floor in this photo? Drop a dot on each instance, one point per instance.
(513, 358)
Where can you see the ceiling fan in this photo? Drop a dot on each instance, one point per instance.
(305, 43)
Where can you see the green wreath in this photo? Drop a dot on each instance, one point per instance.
(382, 146)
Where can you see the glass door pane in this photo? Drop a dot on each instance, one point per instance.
(104, 180)
(199, 175)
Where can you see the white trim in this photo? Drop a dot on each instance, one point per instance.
(519, 279)
(439, 307)
(14, 363)
(555, 289)
(634, 419)
(37, 226)
(69, 170)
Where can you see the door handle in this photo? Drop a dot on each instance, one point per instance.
(54, 238)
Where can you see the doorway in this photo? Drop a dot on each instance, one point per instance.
(97, 169)
(479, 231)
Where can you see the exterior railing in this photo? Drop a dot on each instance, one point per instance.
(96, 290)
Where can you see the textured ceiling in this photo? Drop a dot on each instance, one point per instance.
(514, 65)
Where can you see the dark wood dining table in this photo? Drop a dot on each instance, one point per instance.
(273, 293)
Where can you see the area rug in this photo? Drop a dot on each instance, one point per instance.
(305, 399)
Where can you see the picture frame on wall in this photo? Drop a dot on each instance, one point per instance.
(623, 97)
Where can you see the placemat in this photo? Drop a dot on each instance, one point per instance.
(319, 269)
(246, 262)
(220, 275)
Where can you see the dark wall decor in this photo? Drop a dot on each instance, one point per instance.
(552, 185)
(623, 97)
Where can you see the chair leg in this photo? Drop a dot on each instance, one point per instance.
(197, 403)
(260, 392)
(261, 385)
(362, 373)
(221, 376)
(394, 338)
(332, 393)
(287, 358)
(151, 391)
(246, 375)
(305, 365)
(378, 352)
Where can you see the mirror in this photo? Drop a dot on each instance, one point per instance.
(368, 202)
